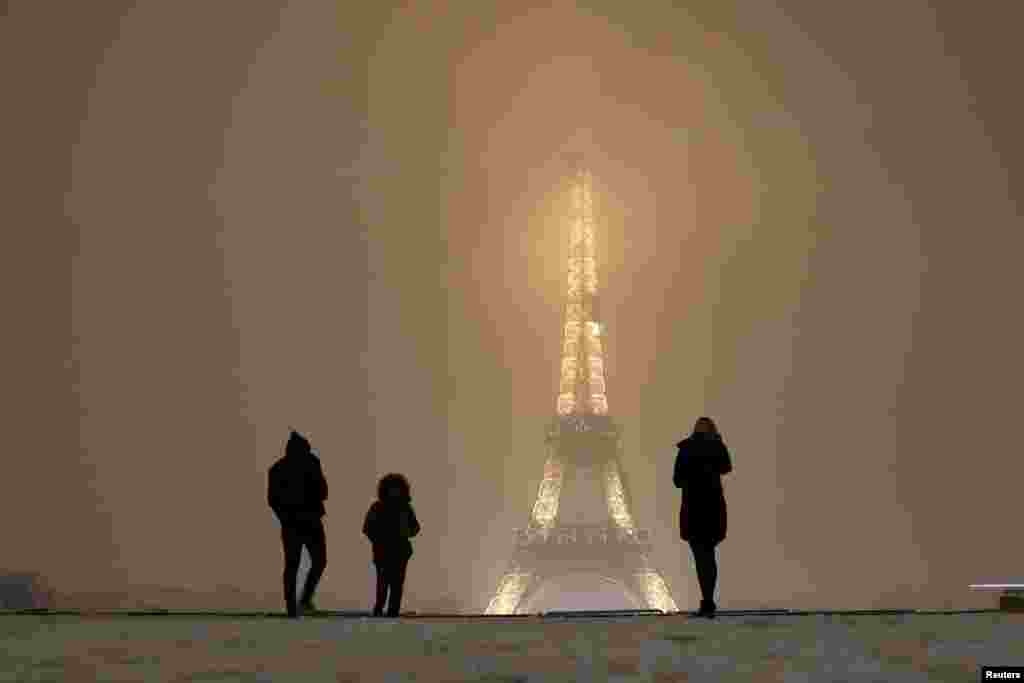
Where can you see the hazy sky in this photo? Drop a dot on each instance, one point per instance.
(226, 221)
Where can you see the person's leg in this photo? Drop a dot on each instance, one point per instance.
(291, 539)
(704, 559)
(712, 561)
(382, 589)
(316, 543)
(395, 585)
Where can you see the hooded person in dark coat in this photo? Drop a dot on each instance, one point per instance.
(390, 523)
(700, 464)
(296, 491)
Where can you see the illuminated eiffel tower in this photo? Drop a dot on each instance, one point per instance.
(581, 522)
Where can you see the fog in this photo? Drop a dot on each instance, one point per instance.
(222, 223)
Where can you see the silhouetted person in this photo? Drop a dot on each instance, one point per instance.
(700, 464)
(296, 491)
(390, 523)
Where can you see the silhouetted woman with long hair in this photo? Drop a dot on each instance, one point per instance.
(700, 464)
(390, 523)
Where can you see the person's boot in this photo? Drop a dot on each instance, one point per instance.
(707, 609)
(291, 608)
(306, 601)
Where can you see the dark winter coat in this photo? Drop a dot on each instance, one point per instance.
(700, 464)
(296, 489)
(389, 525)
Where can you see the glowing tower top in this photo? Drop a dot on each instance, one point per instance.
(581, 388)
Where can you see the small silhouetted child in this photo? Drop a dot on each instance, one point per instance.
(390, 523)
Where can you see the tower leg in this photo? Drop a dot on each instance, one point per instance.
(513, 588)
(649, 583)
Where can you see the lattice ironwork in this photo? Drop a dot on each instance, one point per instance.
(582, 435)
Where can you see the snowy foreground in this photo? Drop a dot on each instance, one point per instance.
(741, 647)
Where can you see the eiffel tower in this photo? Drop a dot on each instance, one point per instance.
(581, 522)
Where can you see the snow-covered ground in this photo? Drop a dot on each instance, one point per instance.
(902, 647)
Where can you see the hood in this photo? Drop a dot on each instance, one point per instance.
(297, 445)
